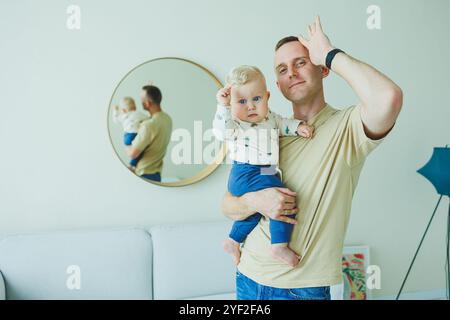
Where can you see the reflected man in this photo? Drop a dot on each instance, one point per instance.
(153, 137)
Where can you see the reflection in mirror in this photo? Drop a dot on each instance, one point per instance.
(159, 122)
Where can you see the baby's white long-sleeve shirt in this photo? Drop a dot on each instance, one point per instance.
(130, 121)
(254, 143)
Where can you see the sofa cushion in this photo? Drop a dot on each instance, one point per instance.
(188, 261)
(112, 264)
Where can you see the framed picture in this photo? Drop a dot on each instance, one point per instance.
(355, 261)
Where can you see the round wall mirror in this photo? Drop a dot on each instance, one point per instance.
(160, 122)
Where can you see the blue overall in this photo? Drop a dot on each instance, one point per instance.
(128, 138)
(245, 178)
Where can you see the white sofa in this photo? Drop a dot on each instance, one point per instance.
(165, 262)
(183, 261)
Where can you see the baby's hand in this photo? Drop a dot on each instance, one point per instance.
(223, 96)
(305, 130)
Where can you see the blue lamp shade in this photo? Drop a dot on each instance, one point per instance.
(437, 170)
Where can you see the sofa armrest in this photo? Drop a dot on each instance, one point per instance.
(2, 288)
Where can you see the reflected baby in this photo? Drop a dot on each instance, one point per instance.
(126, 114)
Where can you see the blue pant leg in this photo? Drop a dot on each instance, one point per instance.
(308, 293)
(280, 231)
(134, 162)
(248, 178)
(246, 288)
(128, 138)
(242, 228)
(152, 176)
(239, 184)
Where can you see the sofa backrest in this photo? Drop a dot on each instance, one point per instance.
(110, 264)
(188, 261)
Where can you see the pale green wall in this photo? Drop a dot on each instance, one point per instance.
(57, 169)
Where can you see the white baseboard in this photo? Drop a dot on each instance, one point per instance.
(439, 294)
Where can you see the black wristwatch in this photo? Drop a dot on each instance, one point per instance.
(330, 57)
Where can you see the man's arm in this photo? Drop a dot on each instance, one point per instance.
(236, 208)
(381, 99)
(132, 152)
(144, 138)
(274, 203)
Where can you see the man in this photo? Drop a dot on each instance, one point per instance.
(153, 136)
(324, 171)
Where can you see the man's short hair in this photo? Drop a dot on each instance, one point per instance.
(285, 40)
(153, 93)
(240, 75)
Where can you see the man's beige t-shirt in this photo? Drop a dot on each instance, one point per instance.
(324, 172)
(152, 140)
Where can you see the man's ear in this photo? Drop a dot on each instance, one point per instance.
(325, 71)
(278, 85)
(268, 94)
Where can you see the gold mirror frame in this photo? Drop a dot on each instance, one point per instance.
(204, 172)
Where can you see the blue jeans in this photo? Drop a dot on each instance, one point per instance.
(128, 138)
(247, 289)
(245, 178)
(152, 176)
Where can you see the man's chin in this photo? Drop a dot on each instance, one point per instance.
(295, 97)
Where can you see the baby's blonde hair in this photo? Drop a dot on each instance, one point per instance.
(241, 75)
(128, 104)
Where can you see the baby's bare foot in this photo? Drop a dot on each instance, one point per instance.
(282, 252)
(233, 248)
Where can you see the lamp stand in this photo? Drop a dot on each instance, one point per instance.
(447, 264)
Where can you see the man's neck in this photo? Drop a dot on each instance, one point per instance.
(155, 110)
(308, 108)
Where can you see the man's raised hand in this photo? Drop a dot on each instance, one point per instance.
(318, 44)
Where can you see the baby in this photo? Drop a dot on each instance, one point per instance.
(251, 131)
(130, 119)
